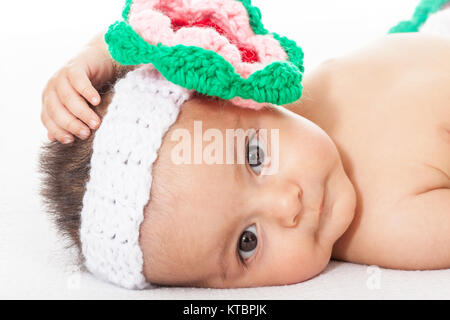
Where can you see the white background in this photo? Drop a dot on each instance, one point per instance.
(38, 37)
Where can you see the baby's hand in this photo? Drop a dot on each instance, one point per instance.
(65, 111)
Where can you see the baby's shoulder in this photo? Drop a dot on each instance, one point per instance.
(423, 49)
(412, 234)
(395, 136)
(390, 58)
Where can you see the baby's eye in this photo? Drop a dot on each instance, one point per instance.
(248, 242)
(255, 154)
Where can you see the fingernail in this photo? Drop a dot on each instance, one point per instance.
(84, 133)
(93, 124)
(67, 140)
(95, 100)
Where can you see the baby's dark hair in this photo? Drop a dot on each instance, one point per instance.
(65, 172)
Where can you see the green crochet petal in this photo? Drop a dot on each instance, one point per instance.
(295, 53)
(255, 17)
(420, 16)
(278, 83)
(205, 71)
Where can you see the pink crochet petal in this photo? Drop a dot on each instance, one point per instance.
(269, 49)
(152, 20)
(207, 39)
(250, 104)
(159, 31)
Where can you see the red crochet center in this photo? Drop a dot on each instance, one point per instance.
(248, 55)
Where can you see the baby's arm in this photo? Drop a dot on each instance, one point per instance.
(422, 231)
(65, 109)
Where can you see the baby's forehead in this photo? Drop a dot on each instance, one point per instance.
(212, 112)
(204, 118)
(190, 235)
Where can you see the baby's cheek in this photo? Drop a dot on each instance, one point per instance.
(296, 264)
(308, 266)
(324, 148)
(307, 145)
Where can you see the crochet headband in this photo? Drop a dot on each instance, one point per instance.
(215, 47)
(144, 107)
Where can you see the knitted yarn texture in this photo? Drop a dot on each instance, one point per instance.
(144, 107)
(215, 47)
(420, 16)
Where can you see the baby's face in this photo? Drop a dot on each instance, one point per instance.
(271, 220)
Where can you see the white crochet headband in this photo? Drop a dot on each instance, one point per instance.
(144, 107)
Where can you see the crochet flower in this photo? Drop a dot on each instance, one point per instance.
(215, 47)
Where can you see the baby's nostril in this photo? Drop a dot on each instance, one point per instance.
(300, 194)
(296, 219)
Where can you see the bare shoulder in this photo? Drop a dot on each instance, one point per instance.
(401, 109)
(404, 47)
(419, 40)
(389, 63)
(420, 230)
(390, 58)
(413, 234)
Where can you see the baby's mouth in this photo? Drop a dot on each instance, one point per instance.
(322, 212)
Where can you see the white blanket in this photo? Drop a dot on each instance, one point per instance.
(33, 261)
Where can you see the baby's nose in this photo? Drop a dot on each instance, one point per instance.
(287, 207)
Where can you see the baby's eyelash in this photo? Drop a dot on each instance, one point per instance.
(241, 260)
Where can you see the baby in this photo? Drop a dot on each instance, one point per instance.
(356, 170)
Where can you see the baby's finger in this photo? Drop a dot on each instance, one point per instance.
(76, 105)
(67, 121)
(56, 132)
(50, 137)
(81, 82)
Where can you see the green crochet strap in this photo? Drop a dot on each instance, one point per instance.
(205, 71)
(126, 10)
(420, 16)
